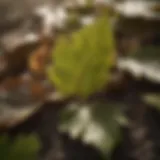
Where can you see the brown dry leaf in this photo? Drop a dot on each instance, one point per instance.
(20, 97)
(14, 62)
(39, 58)
(29, 56)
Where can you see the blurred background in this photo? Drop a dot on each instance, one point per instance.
(79, 79)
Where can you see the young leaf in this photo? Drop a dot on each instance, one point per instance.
(82, 62)
(97, 124)
(21, 148)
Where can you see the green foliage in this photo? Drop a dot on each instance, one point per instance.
(22, 148)
(73, 22)
(95, 124)
(81, 62)
(153, 100)
(144, 63)
(146, 54)
(83, 9)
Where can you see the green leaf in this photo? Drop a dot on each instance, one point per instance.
(144, 63)
(4, 147)
(23, 147)
(82, 62)
(153, 100)
(97, 125)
